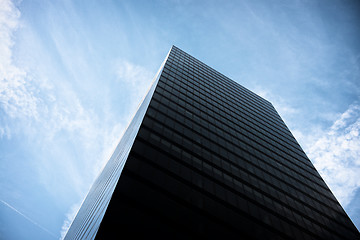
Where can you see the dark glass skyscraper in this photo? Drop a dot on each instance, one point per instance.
(206, 158)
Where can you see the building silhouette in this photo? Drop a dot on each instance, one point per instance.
(206, 158)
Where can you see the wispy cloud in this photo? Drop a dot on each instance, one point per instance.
(335, 151)
(16, 96)
(61, 99)
(69, 141)
(336, 155)
(136, 79)
(285, 109)
(70, 216)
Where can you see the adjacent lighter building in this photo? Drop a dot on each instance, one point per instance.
(206, 158)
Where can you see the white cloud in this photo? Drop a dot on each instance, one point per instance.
(336, 155)
(9, 21)
(70, 216)
(5, 132)
(136, 80)
(44, 108)
(335, 151)
(136, 77)
(16, 95)
(283, 108)
(53, 117)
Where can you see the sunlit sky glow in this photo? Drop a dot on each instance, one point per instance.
(72, 74)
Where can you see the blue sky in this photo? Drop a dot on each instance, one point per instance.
(73, 72)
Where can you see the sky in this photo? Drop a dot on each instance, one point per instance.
(72, 74)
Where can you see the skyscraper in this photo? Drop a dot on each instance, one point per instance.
(206, 158)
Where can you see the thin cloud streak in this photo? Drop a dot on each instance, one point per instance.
(70, 80)
(27, 218)
(50, 129)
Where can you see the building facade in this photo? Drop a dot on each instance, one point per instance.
(206, 158)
